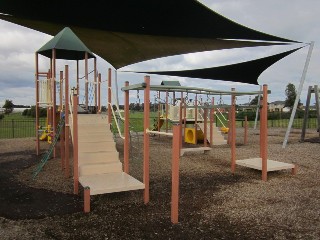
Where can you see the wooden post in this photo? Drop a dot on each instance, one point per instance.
(146, 140)
(245, 130)
(205, 116)
(86, 200)
(211, 122)
(54, 122)
(233, 132)
(175, 174)
(67, 126)
(167, 108)
(62, 144)
(264, 133)
(99, 93)
(109, 97)
(95, 85)
(86, 80)
(126, 130)
(37, 104)
(306, 113)
(75, 142)
(196, 119)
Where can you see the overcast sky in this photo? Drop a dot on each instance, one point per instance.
(292, 19)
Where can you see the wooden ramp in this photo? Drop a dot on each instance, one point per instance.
(100, 169)
(217, 136)
(256, 163)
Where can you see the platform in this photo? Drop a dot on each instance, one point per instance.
(111, 182)
(256, 163)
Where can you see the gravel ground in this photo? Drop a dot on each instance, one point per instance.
(214, 204)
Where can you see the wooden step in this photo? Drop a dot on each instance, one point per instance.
(96, 147)
(109, 183)
(97, 157)
(95, 138)
(100, 168)
(199, 149)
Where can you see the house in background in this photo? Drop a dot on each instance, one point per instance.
(278, 106)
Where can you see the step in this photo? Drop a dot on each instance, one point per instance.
(96, 147)
(217, 142)
(86, 131)
(95, 138)
(100, 168)
(97, 157)
(199, 149)
(111, 182)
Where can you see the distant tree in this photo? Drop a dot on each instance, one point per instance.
(8, 106)
(291, 95)
(254, 101)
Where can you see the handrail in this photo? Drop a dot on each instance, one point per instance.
(114, 115)
(118, 110)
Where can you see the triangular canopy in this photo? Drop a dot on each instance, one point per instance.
(126, 32)
(68, 46)
(244, 72)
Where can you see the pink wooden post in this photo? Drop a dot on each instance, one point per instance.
(146, 151)
(95, 84)
(62, 146)
(109, 97)
(205, 116)
(86, 200)
(86, 80)
(54, 122)
(167, 108)
(196, 119)
(233, 132)
(175, 174)
(67, 126)
(264, 133)
(37, 104)
(126, 130)
(245, 130)
(75, 142)
(211, 121)
(99, 93)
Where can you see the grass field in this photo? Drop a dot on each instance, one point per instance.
(17, 126)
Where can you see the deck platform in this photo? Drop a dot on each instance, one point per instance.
(111, 182)
(256, 163)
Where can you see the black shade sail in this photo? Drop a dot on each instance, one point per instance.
(244, 72)
(126, 32)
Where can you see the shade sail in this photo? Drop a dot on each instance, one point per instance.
(125, 32)
(244, 72)
(68, 46)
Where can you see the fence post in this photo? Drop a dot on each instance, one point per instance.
(12, 126)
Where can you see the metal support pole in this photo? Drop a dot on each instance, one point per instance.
(303, 77)
(306, 114)
(258, 109)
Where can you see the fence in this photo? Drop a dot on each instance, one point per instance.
(26, 128)
(18, 128)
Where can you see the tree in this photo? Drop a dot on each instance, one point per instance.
(291, 95)
(8, 105)
(254, 101)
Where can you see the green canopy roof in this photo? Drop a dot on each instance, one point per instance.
(68, 46)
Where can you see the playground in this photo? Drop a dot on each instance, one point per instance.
(213, 202)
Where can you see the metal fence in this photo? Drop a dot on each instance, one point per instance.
(18, 128)
(26, 128)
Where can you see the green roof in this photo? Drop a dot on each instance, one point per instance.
(68, 46)
(171, 83)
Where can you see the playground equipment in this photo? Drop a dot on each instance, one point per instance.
(311, 90)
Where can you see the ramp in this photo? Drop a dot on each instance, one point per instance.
(217, 136)
(100, 169)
